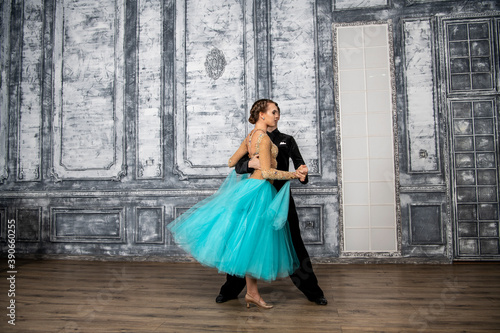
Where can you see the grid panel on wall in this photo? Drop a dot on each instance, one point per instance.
(476, 176)
(470, 48)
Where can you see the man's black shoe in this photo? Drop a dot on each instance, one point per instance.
(320, 301)
(222, 299)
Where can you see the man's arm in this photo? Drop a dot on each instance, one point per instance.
(241, 166)
(248, 165)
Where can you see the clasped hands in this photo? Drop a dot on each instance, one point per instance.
(301, 172)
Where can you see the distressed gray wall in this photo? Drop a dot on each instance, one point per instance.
(117, 116)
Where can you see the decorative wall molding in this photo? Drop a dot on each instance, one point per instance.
(426, 224)
(209, 129)
(74, 225)
(437, 260)
(150, 83)
(178, 211)
(311, 224)
(414, 2)
(87, 132)
(215, 63)
(423, 189)
(29, 90)
(318, 222)
(315, 190)
(294, 75)
(360, 4)
(28, 224)
(145, 193)
(5, 11)
(421, 121)
(106, 194)
(150, 225)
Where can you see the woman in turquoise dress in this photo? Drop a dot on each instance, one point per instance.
(242, 229)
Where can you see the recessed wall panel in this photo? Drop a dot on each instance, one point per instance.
(150, 225)
(88, 117)
(426, 224)
(419, 76)
(87, 225)
(294, 74)
(149, 89)
(215, 83)
(4, 86)
(311, 224)
(178, 211)
(28, 224)
(30, 92)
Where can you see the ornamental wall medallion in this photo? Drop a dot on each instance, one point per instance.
(215, 64)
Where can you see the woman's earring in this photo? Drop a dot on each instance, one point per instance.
(262, 118)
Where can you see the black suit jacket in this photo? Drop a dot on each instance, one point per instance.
(288, 149)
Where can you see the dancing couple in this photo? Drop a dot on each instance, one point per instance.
(249, 228)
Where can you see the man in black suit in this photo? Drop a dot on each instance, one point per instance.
(303, 278)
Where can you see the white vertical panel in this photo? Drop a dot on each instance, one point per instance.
(87, 124)
(366, 137)
(30, 91)
(149, 92)
(422, 141)
(294, 68)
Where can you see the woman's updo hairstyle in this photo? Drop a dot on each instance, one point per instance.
(258, 107)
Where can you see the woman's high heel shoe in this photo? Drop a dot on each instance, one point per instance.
(261, 304)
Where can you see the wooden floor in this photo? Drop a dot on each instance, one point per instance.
(97, 296)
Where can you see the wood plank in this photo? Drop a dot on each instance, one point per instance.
(100, 296)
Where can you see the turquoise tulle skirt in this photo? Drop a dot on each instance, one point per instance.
(240, 230)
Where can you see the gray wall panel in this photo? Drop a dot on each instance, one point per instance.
(87, 225)
(4, 86)
(426, 225)
(150, 227)
(311, 224)
(28, 224)
(215, 83)
(117, 116)
(88, 114)
(29, 93)
(149, 141)
(294, 45)
(420, 92)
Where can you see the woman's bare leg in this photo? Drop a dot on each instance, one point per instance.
(253, 295)
(252, 288)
